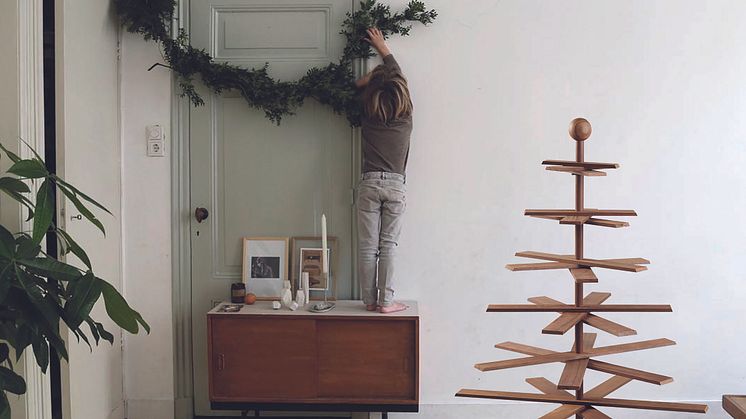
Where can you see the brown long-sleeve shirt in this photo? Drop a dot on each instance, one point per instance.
(386, 145)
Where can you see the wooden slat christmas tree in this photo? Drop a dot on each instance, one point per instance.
(582, 356)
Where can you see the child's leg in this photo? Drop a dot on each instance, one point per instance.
(368, 224)
(391, 221)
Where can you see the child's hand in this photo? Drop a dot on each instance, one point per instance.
(375, 38)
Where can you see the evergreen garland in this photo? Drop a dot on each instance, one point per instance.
(332, 85)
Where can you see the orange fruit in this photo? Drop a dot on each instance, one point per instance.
(250, 298)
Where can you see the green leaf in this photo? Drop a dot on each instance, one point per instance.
(13, 184)
(75, 248)
(52, 268)
(29, 169)
(41, 352)
(81, 207)
(11, 381)
(84, 294)
(81, 194)
(4, 406)
(119, 311)
(44, 211)
(13, 156)
(105, 335)
(4, 352)
(7, 243)
(92, 327)
(27, 249)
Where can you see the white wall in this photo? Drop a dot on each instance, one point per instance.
(661, 82)
(146, 207)
(88, 117)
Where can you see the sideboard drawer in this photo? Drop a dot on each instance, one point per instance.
(263, 358)
(367, 359)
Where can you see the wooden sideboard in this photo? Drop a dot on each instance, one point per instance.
(347, 359)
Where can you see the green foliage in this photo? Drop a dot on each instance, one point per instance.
(332, 85)
(38, 292)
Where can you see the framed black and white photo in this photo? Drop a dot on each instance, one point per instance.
(265, 266)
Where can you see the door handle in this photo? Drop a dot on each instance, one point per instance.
(201, 214)
(221, 362)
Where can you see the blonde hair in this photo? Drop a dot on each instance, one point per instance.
(386, 97)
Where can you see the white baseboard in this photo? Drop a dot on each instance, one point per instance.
(150, 409)
(535, 410)
(118, 412)
(184, 408)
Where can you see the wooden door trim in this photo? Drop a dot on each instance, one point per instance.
(181, 279)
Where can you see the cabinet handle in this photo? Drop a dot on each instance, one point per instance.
(221, 362)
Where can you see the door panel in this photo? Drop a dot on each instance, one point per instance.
(254, 177)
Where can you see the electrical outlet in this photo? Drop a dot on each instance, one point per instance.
(156, 141)
(156, 148)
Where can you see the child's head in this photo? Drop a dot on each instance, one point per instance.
(386, 97)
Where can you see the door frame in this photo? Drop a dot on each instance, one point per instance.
(31, 128)
(181, 296)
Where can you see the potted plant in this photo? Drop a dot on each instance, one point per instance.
(40, 295)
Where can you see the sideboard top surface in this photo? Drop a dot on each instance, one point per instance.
(344, 308)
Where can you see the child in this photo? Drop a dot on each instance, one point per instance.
(381, 201)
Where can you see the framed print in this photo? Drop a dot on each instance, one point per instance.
(265, 266)
(312, 247)
(310, 261)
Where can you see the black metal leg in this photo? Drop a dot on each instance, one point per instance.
(385, 415)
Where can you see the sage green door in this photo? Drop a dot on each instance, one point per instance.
(257, 179)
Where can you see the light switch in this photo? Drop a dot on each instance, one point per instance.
(155, 141)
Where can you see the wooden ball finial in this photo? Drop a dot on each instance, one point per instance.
(580, 129)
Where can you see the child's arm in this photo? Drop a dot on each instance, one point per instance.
(375, 39)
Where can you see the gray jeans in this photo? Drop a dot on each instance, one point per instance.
(381, 201)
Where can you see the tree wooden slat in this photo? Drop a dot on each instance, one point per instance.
(564, 412)
(586, 211)
(592, 413)
(596, 298)
(631, 347)
(607, 387)
(573, 374)
(566, 308)
(517, 267)
(735, 406)
(546, 386)
(563, 323)
(608, 326)
(607, 223)
(583, 275)
(589, 339)
(544, 301)
(623, 403)
(575, 219)
(627, 372)
(523, 349)
(585, 164)
(532, 360)
(578, 171)
(600, 263)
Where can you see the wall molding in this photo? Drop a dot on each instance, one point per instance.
(31, 130)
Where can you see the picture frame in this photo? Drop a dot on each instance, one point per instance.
(265, 266)
(310, 242)
(310, 261)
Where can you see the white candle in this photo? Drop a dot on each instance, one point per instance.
(324, 258)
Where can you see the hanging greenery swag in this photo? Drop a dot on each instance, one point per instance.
(332, 85)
